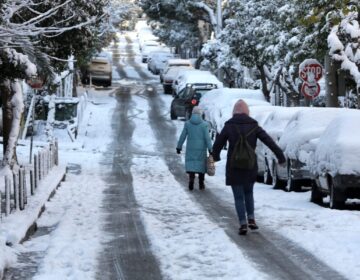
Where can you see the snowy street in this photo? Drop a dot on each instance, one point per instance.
(125, 211)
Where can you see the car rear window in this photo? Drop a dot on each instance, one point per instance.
(100, 62)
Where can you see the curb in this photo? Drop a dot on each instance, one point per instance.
(33, 226)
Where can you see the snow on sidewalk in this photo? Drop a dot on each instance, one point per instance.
(70, 250)
(13, 228)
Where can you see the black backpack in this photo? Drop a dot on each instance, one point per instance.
(243, 155)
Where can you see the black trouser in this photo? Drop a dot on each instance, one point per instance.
(192, 176)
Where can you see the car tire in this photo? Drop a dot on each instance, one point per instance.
(173, 116)
(267, 174)
(336, 199)
(260, 178)
(292, 185)
(167, 89)
(277, 183)
(316, 194)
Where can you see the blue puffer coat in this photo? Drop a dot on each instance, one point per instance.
(198, 142)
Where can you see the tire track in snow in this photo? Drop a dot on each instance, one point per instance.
(127, 254)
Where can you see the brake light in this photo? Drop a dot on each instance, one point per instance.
(193, 101)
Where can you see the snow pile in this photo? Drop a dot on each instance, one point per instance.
(7, 256)
(218, 104)
(305, 126)
(338, 149)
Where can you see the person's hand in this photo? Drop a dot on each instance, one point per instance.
(178, 151)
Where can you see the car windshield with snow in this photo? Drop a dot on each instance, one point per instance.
(218, 104)
(193, 76)
(157, 60)
(172, 63)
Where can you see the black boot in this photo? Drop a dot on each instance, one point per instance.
(243, 229)
(201, 181)
(191, 180)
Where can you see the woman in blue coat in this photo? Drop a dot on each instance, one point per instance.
(196, 132)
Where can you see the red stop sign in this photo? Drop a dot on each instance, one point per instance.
(310, 90)
(310, 70)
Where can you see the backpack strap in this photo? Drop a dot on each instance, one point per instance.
(248, 133)
(251, 131)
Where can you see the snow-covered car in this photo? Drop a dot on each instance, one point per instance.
(146, 50)
(169, 75)
(156, 61)
(218, 104)
(193, 76)
(184, 102)
(336, 161)
(176, 62)
(299, 141)
(261, 114)
(274, 125)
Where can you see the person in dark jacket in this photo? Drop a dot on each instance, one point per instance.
(242, 180)
(196, 133)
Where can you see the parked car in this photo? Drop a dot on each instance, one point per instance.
(146, 50)
(174, 63)
(217, 104)
(261, 115)
(157, 60)
(274, 125)
(169, 76)
(336, 161)
(298, 141)
(148, 41)
(192, 76)
(100, 71)
(183, 103)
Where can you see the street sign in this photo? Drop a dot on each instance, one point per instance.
(310, 90)
(310, 70)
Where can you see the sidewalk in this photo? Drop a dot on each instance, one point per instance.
(19, 225)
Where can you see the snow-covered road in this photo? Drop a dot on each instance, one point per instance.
(125, 211)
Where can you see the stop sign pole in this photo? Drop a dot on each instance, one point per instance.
(310, 71)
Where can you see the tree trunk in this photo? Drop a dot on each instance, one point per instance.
(331, 83)
(7, 115)
(265, 89)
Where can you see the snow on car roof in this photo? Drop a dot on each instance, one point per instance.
(338, 149)
(304, 126)
(278, 119)
(179, 61)
(193, 76)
